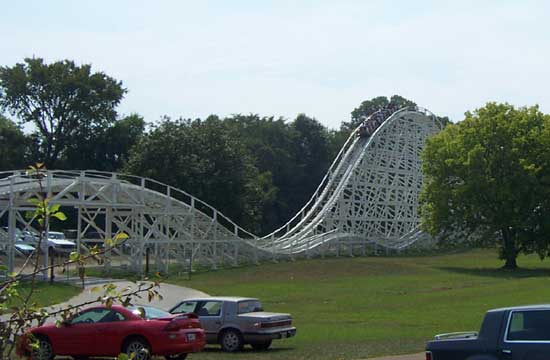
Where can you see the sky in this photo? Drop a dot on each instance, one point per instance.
(281, 58)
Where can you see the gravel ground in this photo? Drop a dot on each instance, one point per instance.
(171, 294)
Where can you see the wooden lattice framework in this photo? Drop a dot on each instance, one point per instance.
(368, 197)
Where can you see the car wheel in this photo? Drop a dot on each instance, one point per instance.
(176, 357)
(264, 345)
(139, 348)
(231, 341)
(44, 351)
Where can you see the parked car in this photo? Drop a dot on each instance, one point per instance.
(24, 249)
(21, 245)
(102, 331)
(514, 333)
(29, 237)
(233, 322)
(57, 243)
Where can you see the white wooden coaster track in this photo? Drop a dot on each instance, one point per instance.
(369, 197)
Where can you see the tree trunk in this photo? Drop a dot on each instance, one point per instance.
(509, 250)
(510, 263)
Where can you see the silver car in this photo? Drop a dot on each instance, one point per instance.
(233, 322)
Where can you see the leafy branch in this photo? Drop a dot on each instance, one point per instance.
(22, 317)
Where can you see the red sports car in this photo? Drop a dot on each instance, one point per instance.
(102, 331)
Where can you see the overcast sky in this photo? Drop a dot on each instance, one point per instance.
(281, 58)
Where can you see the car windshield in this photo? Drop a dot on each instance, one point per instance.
(57, 236)
(148, 312)
(248, 306)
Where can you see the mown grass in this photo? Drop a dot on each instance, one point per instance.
(354, 308)
(46, 294)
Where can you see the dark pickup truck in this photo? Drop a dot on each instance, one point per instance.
(515, 333)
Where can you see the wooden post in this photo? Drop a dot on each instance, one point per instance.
(147, 261)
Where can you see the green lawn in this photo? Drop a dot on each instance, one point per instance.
(46, 294)
(354, 308)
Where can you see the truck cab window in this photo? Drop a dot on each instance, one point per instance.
(531, 325)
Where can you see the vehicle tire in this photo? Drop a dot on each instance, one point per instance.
(176, 357)
(139, 347)
(44, 350)
(231, 340)
(264, 345)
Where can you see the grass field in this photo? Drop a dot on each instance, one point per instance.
(354, 308)
(46, 294)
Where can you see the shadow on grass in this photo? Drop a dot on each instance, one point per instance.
(430, 252)
(498, 273)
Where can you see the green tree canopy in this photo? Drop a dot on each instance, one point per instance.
(13, 145)
(313, 156)
(368, 107)
(68, 104)
(202, 158)
(119, 139)
(489, 177)
(111, 147)
(270, 142)
(291, 157)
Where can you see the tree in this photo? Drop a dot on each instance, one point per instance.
(204, 159)
(313, 157)
(68, 104)
(111, 148)
(489, 176)
(270, 143)
(13, 145)
(120, 138)
(292, 159)
(368, 107)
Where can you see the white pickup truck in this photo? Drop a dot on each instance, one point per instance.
(58, 244)
(55, 243)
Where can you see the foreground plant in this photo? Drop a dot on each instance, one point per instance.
(19, 312)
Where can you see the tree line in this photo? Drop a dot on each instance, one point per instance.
(258, 170)
(486, 177)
